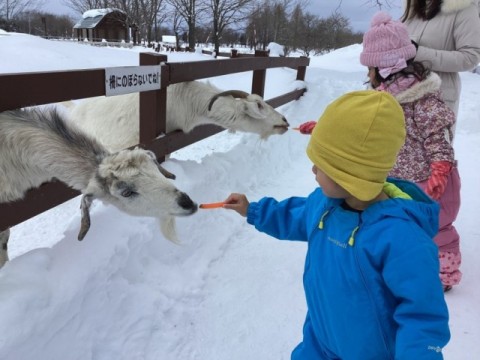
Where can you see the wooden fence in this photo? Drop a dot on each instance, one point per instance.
(30, 89)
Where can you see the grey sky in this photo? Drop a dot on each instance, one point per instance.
(359, 12)
(58, 7)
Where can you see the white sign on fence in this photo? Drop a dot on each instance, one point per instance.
(129, 79)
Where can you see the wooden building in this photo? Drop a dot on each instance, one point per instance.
(102, 25)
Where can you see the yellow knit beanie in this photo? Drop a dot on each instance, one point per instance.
(357, 139)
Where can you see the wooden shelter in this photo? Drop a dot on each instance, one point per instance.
(102, 24)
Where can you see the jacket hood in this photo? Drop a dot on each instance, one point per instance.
(416, 206)
(449, 6)
(430, 85)
(420, 209)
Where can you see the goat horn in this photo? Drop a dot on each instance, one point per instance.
(85, 222)
(165, 172)
(237, 94)
(162, 170)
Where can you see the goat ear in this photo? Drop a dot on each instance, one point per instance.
(255, 109)
(85, 222)
(167, 226)
(162, 170)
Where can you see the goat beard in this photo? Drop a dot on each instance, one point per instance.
(168, 228)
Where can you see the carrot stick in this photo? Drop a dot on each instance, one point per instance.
(214, 205)
(296, 128)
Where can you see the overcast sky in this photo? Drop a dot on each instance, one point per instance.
(359, 12)
(57, 7)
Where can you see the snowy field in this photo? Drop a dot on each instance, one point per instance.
(227, 292)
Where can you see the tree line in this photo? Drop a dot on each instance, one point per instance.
(251, 23)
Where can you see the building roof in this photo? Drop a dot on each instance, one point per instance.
(91, 18)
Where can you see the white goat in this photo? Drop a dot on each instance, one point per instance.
(39, 145)
(114, 120)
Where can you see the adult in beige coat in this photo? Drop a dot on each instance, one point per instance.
(448, 36)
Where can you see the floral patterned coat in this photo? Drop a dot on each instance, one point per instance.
(429, 123)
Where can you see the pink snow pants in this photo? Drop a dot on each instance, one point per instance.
(447, 239)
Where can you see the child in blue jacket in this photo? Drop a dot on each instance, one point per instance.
(371, 271)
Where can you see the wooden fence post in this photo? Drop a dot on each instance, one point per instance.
(301, 71)
(153, 104)
(258, 80)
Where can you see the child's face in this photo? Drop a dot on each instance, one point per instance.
(372, 78)
(329, 187)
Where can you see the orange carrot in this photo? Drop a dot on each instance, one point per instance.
(296, 128)
(214, 205)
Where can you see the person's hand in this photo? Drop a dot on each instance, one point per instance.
(307, 127)
(237, 202)
(437, 182)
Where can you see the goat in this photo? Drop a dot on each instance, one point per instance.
(114, 120)
(39, 145)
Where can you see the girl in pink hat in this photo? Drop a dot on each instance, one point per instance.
(427, 157)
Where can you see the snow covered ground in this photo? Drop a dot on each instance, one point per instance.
(227, 292)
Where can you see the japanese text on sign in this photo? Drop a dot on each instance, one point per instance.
(129, 79)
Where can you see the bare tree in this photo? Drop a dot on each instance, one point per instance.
(190, 11)
(254, 26)
(133, 20)
(225, 13)
(280, 21)
(80, 6)
(9, 9)
(270, 21)
(275, 21)
(336, 25)
(380, 3)
(259, 24)
(295, 27)
(44, 24)
(308, 34)
(151, 12)
(177, 25)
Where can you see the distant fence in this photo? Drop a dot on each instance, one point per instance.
(94, 42)
(30, 89)
(232, 54)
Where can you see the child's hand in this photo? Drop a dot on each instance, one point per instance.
(307, 127)
(437, 182)
(237, 202)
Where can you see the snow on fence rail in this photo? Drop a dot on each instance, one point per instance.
(31, 89)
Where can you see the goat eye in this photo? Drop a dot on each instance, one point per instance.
(127, 193)
(260, 106)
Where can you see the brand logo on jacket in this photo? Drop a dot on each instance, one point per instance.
(337, 243)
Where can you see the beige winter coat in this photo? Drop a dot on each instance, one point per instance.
(449, 43)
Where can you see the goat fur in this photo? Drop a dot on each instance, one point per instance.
(37, 146)
(115, 120)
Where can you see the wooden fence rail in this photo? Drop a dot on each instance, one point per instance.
(31, 89)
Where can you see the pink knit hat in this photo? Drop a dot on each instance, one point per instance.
(387, 45)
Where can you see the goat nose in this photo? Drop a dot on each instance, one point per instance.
(285, 120)
(185, 202)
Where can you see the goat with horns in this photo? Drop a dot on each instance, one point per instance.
(39, 145)
(114, 120)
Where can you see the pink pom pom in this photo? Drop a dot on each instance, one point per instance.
(380, 18)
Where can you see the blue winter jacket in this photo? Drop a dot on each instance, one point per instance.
(371, 278)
